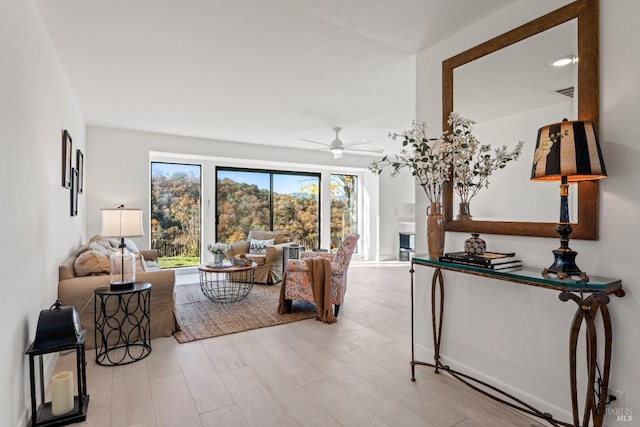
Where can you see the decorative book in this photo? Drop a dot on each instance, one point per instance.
(492, 260)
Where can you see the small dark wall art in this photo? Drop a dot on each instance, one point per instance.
(67, 158)
(80, 170)
(74, 192)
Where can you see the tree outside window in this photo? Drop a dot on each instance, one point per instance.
(175, 213)
(344, 207)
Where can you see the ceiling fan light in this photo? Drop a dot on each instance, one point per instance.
(336, 150)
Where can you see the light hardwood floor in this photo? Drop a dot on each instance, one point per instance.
(353, 373)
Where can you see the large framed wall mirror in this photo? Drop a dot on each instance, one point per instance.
(508, 87)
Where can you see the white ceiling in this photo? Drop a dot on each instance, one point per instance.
(258, 71)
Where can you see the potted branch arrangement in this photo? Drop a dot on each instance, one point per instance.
(429, 161)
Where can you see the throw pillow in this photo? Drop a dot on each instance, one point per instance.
(259, 246)
(129, 244)
(99, 248)
(91, 263)
(103, 246)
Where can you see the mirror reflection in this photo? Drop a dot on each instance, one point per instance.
(510, 94)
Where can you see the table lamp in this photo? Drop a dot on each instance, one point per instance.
(567, 152)
(122, 223)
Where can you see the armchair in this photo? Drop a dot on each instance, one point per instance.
(269, 269)
(297, 280)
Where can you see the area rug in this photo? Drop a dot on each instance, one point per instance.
(198, 318)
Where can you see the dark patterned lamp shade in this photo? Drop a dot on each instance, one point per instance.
(568, 149)
(567, 152)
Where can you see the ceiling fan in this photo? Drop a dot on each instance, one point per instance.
(337, 147)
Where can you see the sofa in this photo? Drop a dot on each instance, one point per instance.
(265, 249)
(88, 268)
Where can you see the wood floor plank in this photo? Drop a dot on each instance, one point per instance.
(255, 402)
(173, 403)
(207, 388)
(289, 361)
(224, 417)
(347, 410)
(163, 360)
(222, 355)
(131, 396)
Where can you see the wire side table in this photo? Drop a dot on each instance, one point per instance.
(226, 284)
(122, 333)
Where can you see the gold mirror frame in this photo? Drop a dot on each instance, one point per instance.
(586, 11)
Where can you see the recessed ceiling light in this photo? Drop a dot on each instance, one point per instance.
(564, 61)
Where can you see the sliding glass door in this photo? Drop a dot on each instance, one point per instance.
(249, 199)
(296, 207)
(243, 203)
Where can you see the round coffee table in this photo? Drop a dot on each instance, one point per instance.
(226, 284)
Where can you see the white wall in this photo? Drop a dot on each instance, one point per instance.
(38, 232)
(117, 168)
(515, 335)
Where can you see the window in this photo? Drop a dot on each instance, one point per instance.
(249, 199)
(175, 213)
(344, 207)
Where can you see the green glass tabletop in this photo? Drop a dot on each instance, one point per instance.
(528, 275)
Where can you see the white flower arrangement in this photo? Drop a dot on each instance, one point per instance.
(428, 159)
(472, 162)
(218, 248)
(458, 155)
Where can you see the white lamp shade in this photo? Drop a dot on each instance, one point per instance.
(122, 223)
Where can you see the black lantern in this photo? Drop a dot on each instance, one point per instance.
(58, 330)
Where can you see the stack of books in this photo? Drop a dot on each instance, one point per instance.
(491, 260)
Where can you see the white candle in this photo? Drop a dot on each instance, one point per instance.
(62, 393)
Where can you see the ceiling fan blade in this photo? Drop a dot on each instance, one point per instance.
(367, 150)
(355, 143)
(315, 142)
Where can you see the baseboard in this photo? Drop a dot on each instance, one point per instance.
(388, 257)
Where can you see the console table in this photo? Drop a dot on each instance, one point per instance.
(591, 298)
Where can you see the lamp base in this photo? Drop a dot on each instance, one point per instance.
(564, 265)
(123, 269)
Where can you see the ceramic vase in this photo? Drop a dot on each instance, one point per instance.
(474, 245)
(435, 230)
